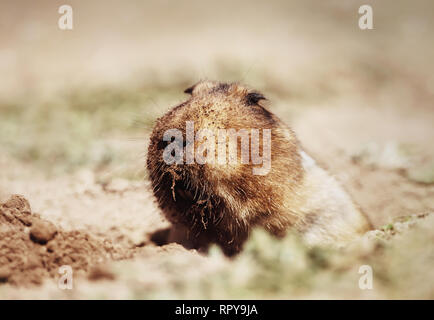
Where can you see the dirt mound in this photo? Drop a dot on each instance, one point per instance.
(32, 249)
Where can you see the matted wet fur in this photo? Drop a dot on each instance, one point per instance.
(222, 203)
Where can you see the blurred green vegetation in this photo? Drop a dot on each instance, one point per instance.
(422, 174)
(74, 128)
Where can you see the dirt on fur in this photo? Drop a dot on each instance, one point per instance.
(32, 249)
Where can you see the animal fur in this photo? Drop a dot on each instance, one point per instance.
(222, 203)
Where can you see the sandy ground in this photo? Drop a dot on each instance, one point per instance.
(123, 213)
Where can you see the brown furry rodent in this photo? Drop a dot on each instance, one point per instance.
(221, 202)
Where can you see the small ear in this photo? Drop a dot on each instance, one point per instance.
(253, 98)
(189, 90)
(201, 86)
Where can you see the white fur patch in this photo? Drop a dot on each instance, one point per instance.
(307, 161)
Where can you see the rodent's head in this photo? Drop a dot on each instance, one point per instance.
(223, 94)
(212, 106)
(207, 87)
(194, 188)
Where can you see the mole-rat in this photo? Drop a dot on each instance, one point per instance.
(221, 164)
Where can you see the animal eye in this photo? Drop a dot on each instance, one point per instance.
(252, 98)
(189, 90)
